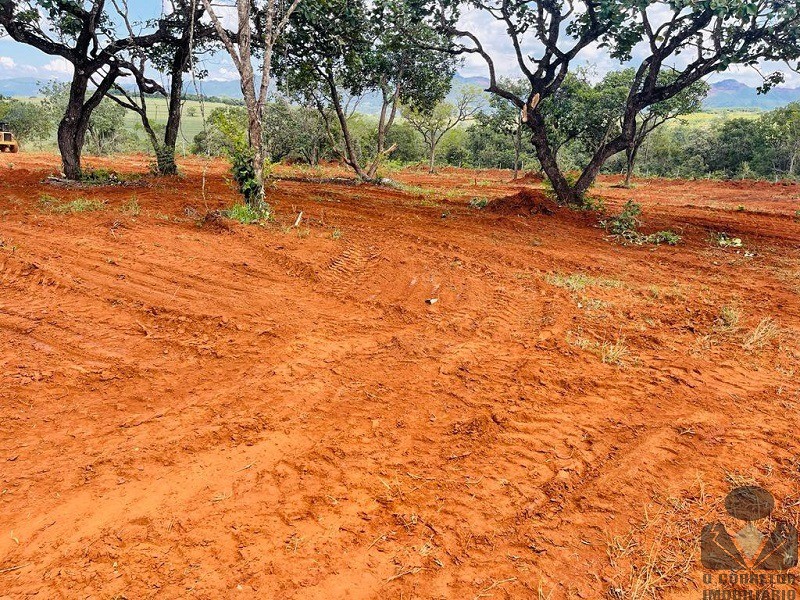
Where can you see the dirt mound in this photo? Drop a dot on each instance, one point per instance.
(531, 177)
(524, 202)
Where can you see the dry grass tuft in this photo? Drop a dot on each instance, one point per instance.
(658, 554)
(728, 319)
(579, 281)
(764, 333)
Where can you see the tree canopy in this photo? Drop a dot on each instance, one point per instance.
(701, 37)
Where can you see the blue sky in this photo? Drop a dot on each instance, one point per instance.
(18, 60)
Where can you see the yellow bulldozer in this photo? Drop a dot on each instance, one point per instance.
(7, 141)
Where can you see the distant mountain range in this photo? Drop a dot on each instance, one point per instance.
(730, 93)
(725, 94)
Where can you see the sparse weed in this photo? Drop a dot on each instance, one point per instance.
(61, 207)
(728, 319)
(670, 238)
(610, 353)
(46, 201)
(100, 177)
(579, 281)
(657, 554)
(614, 353)
(592, 304)
(724, 240)
(577, 340)
(131, 207)
(337, 234)
(248, 215)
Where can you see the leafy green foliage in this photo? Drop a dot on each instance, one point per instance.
(27, 120)
(627, 222)
(478, 203)
(248, 214)
(106, 132)
(625, 226)
(716, 33)
(244, 175)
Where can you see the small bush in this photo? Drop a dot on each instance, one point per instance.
(627, 222)
(247, 214)
(670, 238)
(478, 203)
(626, 227)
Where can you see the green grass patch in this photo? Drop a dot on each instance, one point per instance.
(63, 207)
(248, 215)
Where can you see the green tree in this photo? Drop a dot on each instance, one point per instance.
(339, 51)
(739, 142)
(434, 123)
(105, 129)
(29, 121)
(106, 132)
(504, 118)
(84, 34)
(259, 27)
(548, 38)
(688, 100)
(185, 36)
(781, 133)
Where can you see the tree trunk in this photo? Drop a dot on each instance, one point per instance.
(432, 159)
(72, 128)
(349, 149)
(517, 146)
(166, 154)
(254, 131)
(565, 194)
(630, 156)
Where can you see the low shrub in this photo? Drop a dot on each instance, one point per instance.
(247, 214)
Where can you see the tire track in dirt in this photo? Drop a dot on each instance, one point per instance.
(296, 422)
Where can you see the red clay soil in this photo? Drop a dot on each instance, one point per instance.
(523, 203)
(195, 408)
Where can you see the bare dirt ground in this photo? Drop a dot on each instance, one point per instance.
(221, 411)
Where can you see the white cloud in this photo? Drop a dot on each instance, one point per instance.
(7, 62)
(57, 66)
(222, 74)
